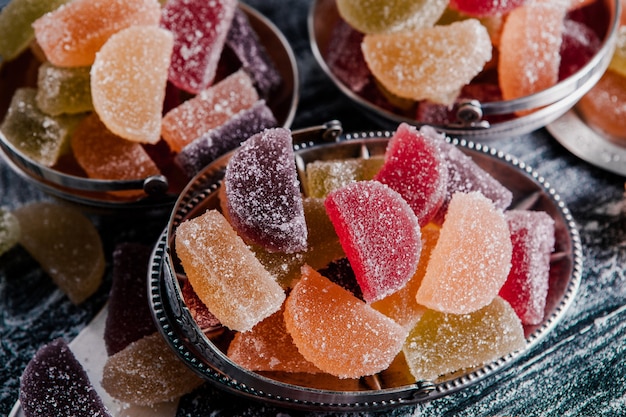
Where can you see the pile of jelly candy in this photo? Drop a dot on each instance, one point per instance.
(422, 59)
(157, 87)
(402, 258)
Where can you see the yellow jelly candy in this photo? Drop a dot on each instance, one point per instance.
(128, 80)
(323, 177)
(432, 63)
(618, 60)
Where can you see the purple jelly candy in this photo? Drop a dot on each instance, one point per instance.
(345, 58)
(202, 151)
(129, 317)
(263, 196)
(54, 383)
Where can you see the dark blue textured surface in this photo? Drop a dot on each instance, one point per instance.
(578, 370)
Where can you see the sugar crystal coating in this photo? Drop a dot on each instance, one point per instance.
(325, 176)
(54, 383)
(345, 58)
(379, 233)
(209, 109)
(9, 230)
(224, 273)
(66, 245)
(337, 332)
(71, 35)
(414, 167)
(200, 30)
(432, 63)
(580, 43)
(526, 288)
(63, 90)
(472, 258)
(263, 192)
(441, 343)
(147, 372)
(128, 80)
(198, 310)
(483, 8)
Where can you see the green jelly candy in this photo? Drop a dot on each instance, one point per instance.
(326, 176)
(41, 137)
(9, 230)
(63, 90)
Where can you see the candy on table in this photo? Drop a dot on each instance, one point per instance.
(433, 63)
(442, 343)
(71, 35)
(414, 167)
(209, 109)
(129, 317)
(369, 16)
(66, 245)
(9, 230)
(128, 80)
(472, 257)
(324, 176)
(54, 383)
(224, 273)
(104, 155)
(199, 312)
(379, 233)
(224, 138)
(263, 192)
(200, 29)
(618, 60)
(604, 106)
(254, 58)
(269, 347)
(530, 46)
(465, 175)
(345, 58)
(40, 137)
(401, 306)
(526, 288)
(17, 18)
(63, 90)
(485, 7)
(147, 372)
(580, 43)
(337, 332)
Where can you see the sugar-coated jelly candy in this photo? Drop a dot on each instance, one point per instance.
(472, 258)
(71, 35)
(224, 273)
(16, 18)
(66, 245)
(414, 167)
(9, 230)
(226, 137)
(379, 233)
(604, 106)
(618, 60)
(37, 135)
(128, 80)
(401, 306)
(198, 310)
(433, 63)
(128, 313)
(369, 16)
(324, 176)
(269, 347)
(63, 90)
(485, 7)
(580, 43)
(337, 332)
(263, 192)
(209, 109)
(147, 372)
(465, 175)
(254, 58)
(54, 383)
(442, 343)
(526, 288)
(530, 44)
(200, 30)
(345, 58)
(104, 155)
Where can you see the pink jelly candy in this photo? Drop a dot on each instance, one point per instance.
(485, 8)
(379, 233)
(263, 192)
(526, 288)
(414, 168)
(200, 30)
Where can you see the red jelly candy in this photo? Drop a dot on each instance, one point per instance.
(580, 44)
(486, 7)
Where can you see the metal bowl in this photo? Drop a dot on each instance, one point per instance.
(472, 116)
(67, 182)
(201, 351)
